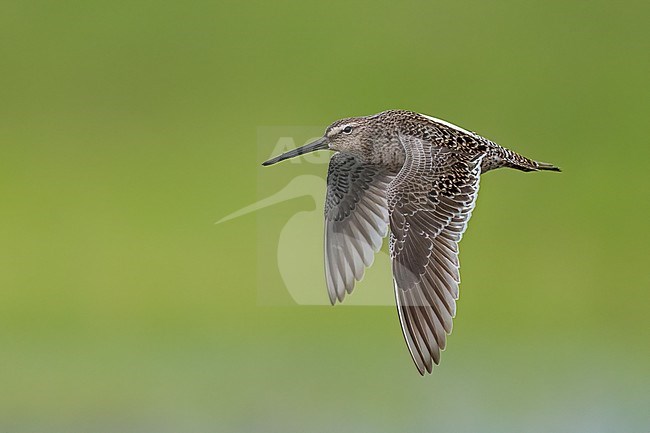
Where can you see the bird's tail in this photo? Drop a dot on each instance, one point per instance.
(546, 166)
(519, 162)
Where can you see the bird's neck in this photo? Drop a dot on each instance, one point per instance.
(385, 151)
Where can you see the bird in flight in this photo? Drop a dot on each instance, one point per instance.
(417, 178)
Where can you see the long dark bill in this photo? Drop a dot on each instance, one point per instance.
(319, 144)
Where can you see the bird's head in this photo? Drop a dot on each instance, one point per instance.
(345, 135)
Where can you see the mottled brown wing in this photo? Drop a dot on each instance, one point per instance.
(356, 221)
(430, 202)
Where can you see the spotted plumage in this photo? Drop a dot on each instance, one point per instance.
(417, 178)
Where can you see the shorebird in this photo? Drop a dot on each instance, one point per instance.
(417, 178)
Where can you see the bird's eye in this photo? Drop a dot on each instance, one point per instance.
(347, 129)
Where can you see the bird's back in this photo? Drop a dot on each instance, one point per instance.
(442, 134)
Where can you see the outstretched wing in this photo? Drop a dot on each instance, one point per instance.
(430, 202)
(356, 221)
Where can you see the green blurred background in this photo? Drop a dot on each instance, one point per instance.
(128, 128)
